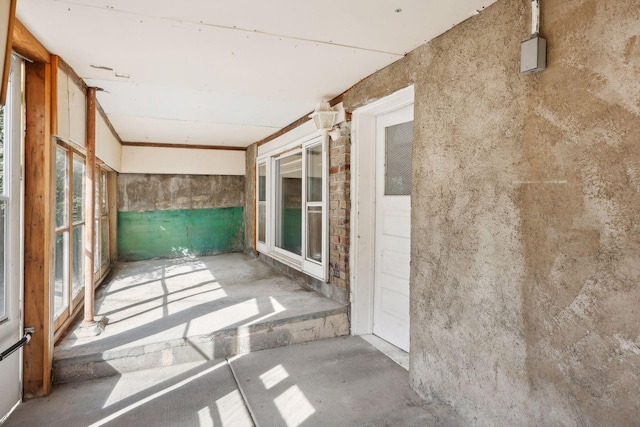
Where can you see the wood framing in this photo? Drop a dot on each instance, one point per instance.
(38, 228)
(89, 206)
(107, 121)
(25, 44)
(55, 64)
(189, 146)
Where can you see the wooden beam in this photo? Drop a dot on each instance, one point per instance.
(38, 230)
(7, 53)
(89, 207)
(302, 120)
(108, 122)
(55, 64)
(189, 146)
(25, 44)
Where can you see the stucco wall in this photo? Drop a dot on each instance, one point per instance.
(525, 296)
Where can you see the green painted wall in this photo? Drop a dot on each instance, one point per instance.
(174, 233)
(292, 230)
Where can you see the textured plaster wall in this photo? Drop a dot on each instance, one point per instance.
(525, 267)
(147, 192)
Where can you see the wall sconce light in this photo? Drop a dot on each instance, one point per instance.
(324, 118)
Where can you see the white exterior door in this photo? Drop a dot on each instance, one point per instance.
(11, 241)
(394, 142)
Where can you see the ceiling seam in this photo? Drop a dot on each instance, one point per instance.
(234, 28)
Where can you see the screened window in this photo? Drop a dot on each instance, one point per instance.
(399, 144)
(292, 190)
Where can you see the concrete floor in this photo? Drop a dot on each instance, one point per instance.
(334, 382)
(158, 300)
(156, 307)
(163, 312)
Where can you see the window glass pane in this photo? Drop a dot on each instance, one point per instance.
(262, 182)
(3, 244)
(96, 197)
(399, 143)
(96, 248)
(262, 219)
(314, 173)
(78, 189)
(77, 261)
(61, 289)
(104, 241)
(314, 233)
(61, 187)
(103, 191)
(289, 203)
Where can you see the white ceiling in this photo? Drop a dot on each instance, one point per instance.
(229, 72)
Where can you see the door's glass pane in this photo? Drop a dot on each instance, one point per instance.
(3, 119)
(262, 219)
(104, 241)
(61, 187)
(289, 203)
(262, 182)
(77, 261)
(103, 191)
(314, 173)
(399, 143)
(78, 189)
(314, 233)
(61, 288)
(3, 244)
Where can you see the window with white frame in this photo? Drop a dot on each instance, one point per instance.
(291, 206)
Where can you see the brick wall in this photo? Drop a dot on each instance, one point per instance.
(339, 208)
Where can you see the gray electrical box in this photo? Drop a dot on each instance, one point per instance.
(533, 55)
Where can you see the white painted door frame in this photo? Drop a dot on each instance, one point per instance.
(363, 178)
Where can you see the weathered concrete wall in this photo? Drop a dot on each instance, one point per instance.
(525, 211)
(148, 192)
(178, 215)
(250, 201)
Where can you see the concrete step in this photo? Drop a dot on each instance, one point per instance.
(70, 366)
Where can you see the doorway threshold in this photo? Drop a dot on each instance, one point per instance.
(394, 353)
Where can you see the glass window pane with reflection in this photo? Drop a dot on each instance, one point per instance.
(77, 261)
(61, 187)
(289, 203)
(314, 233)
(104, 241)
(78, 189)
(262, 202)
(61, 289)
(314, 173)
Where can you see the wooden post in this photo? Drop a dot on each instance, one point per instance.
(89, 208)
(38, 230)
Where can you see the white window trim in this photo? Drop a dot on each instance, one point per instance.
(268, 158)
